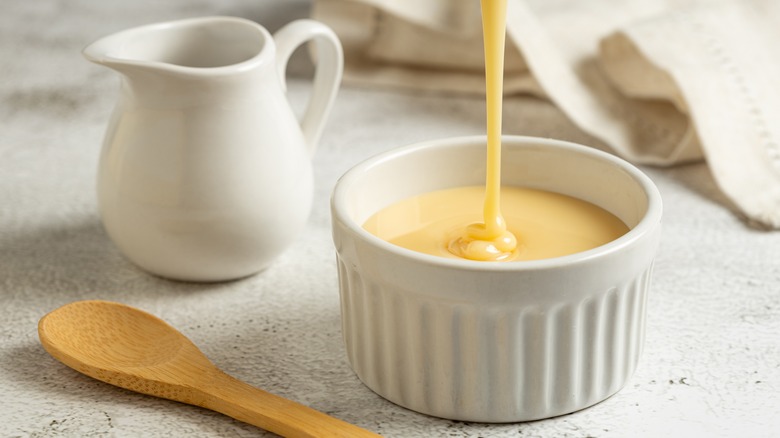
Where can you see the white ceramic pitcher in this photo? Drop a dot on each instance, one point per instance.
(205, 172)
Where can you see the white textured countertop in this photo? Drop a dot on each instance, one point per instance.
(711, 363)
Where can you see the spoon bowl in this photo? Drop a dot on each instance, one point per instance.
(111, 335)
(135, 350)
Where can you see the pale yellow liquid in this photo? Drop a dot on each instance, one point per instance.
(473, 222)
(546, 224)
(488, 239)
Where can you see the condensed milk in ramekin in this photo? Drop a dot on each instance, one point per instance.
(495, 341)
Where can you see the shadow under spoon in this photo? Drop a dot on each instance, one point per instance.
(135, 350)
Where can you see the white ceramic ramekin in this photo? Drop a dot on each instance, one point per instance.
(494, 342)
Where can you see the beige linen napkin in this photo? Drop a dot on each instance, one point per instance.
(662, 82)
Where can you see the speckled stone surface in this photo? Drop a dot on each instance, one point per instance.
(711, 364)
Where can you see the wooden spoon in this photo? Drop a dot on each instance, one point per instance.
(132, 349)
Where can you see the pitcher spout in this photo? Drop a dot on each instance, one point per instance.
(189, 47)
(102, 52)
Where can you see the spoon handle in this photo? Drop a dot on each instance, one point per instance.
(287, 418)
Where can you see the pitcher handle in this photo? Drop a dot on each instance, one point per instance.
(329, 59)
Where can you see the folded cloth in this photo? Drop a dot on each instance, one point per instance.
(660, 82)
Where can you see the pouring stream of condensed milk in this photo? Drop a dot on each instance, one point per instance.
(491, 241)
(548, 224)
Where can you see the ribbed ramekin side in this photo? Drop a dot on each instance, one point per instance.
(490, 363)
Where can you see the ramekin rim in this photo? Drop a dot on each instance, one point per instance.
(649, 221)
